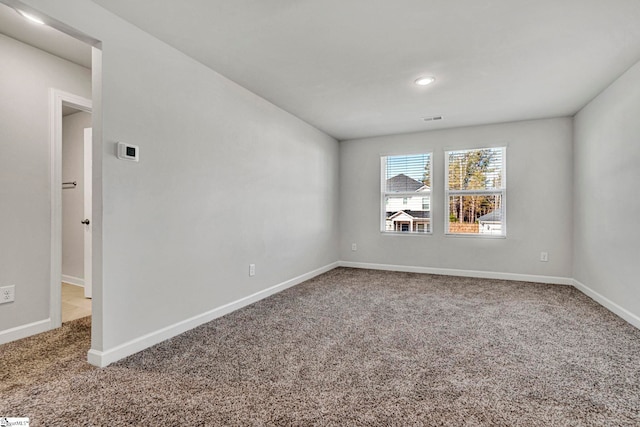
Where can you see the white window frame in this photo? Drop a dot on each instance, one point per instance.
(384, 195)
(500, 191)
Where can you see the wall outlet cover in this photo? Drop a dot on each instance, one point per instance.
(7, 294)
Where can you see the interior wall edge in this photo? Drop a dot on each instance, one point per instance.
(616, 309)
(104, 358)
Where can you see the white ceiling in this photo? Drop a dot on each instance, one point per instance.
(43, 37)
(348, 66)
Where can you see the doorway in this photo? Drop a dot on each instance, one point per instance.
(76, 213)
(71, 195)
(40, 61)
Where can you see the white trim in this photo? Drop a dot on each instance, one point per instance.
(625, 314)
(383, 190)
(462, 273)
(475, 192)
(24, 331)
(88, 209)
(105, 358)
(608, 304)
(474, 236)
(407, 233)
(75, 281)
(404, 194)
(56, 99)
(501, 191)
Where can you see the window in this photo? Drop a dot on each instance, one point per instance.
(475, 191)
(426, 203)
(406, 194)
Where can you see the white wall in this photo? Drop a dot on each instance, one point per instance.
(225, 179)
(73, 127)
(606, 196)
(539, 202)
(26, 75)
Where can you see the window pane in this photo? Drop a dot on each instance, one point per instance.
(407, 193)
(410, 217)
(480, 169)
(405, 174)
(481, 214)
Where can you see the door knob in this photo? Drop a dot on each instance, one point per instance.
(85, 222)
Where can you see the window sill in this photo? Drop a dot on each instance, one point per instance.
(475, 236)
(405, 233)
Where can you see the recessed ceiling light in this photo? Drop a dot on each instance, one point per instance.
(31, 18)
(423, 81)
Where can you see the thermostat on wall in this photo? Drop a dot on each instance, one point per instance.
(128, 152)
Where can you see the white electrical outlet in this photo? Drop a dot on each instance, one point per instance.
(7, 294)
(354, 247)
(544, 257)
(252, 269)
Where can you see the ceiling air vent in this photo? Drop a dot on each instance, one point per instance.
(431, 119)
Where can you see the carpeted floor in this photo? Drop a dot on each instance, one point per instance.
(352, 347)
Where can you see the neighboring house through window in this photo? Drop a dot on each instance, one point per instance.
(475, 192)
(406, 193)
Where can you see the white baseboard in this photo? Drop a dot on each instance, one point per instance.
(104, 358)
(73, 280)
(608, 304)
(464, 273)
(600, 299)
(24, 331)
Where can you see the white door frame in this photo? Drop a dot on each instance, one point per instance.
(88, 210)
(57, 99)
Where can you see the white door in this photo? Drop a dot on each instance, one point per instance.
(87, 211)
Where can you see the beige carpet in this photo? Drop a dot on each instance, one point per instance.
(352, 347)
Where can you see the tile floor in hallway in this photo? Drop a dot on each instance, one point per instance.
(74, 304)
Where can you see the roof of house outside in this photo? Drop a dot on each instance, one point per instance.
(414, 214)
(493, 216)
(403, 183)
